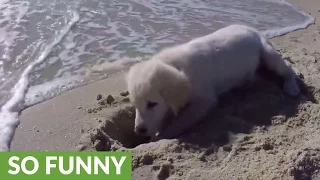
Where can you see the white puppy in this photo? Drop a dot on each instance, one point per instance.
(186, 79)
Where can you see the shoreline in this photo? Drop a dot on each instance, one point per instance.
(277, 145)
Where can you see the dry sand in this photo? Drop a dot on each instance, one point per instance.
(257, 132)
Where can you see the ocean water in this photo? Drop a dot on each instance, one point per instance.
(50, 46)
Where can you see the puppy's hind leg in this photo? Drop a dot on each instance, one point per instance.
(272, 60)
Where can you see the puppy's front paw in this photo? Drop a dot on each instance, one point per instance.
(291, 88)
(156, 137)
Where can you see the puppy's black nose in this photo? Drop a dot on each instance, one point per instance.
(141, 131)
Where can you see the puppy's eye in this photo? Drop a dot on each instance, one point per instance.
(151, 105)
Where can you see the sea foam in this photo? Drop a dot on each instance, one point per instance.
(9, 115)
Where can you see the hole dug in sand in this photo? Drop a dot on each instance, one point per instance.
(116, 132)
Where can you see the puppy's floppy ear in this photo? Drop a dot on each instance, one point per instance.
(172, 85)
(126, 77)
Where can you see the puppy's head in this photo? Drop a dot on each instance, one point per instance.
(155, 89)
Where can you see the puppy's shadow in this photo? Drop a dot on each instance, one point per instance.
(244, 108)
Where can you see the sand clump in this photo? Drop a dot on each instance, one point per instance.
(306, 165)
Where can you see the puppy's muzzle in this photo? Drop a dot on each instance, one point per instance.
(141, 130)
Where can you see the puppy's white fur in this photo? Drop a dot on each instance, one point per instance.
(187, 79)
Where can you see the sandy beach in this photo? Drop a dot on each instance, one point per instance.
(255, 133)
